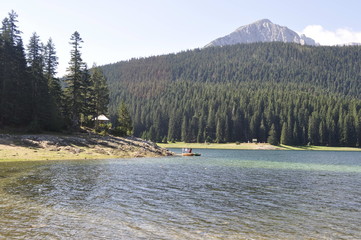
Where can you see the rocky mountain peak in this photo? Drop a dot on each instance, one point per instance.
(263, 22)
(262, 31)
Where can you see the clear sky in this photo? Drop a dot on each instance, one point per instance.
(116, 30)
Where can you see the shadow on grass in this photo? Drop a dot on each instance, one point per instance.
(288, 147)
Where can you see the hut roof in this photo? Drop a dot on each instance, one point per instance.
(102, 117)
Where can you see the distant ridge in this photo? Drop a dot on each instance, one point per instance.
(262, 31)
(350, 44)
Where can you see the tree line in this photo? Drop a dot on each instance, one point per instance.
(32, 97)
(273, 92)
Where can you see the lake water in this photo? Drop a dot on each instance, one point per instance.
(224, 194)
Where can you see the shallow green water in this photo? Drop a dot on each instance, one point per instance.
(224, 194)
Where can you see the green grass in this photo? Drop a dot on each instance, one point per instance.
(253, 146)
(217, 145)
(320, 148)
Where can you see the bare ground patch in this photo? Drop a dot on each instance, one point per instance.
(77, 146)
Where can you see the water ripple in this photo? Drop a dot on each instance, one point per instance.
(218, 196)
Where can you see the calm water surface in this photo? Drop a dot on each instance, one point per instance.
(224, 194)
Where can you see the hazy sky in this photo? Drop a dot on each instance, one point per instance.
(115, 30)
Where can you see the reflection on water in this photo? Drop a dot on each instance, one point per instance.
(222, 195)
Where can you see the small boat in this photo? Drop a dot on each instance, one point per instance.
(190, 154)
(187, 152)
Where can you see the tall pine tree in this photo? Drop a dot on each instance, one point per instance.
(100, 92)
(74, 80)
(40, 93)
(272, 136)
(124, 121)
(15, 98)
(55, 91)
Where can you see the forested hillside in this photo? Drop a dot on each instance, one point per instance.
(31, 97)
(275, 92)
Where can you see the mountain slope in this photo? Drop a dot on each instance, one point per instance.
(262, 31)
(244, 92)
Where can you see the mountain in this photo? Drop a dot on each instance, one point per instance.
(262, 31)
(298, 94)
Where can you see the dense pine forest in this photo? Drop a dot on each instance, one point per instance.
(31, 97)
(273, 92)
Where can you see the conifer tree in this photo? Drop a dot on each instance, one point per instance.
(15, 89)
(262, 132)
(41, 107)
(74, 80)
(209, 133)
(55, 91)
(237, 126)
(124, 121)
(358, 128)
(313, 129)
(332, 133)
(285, 139)
(171, 128)
(348, 133)
(184, 129)
(296, 135)
(227, 129)
(100, 93)
(1, 76)
(220, 130)
(322, 133)
(87, 111)
(50, 66)
(193, 129)
(200, 133)
(254, 125)
(272, 136)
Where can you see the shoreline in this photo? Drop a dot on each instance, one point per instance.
(90, 146)
(254, 146)
(78, 146)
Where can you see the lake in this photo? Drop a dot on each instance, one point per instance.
(224, 194)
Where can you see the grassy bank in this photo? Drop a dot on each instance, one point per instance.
(219, 145)
(320, 148)
(252, 146)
